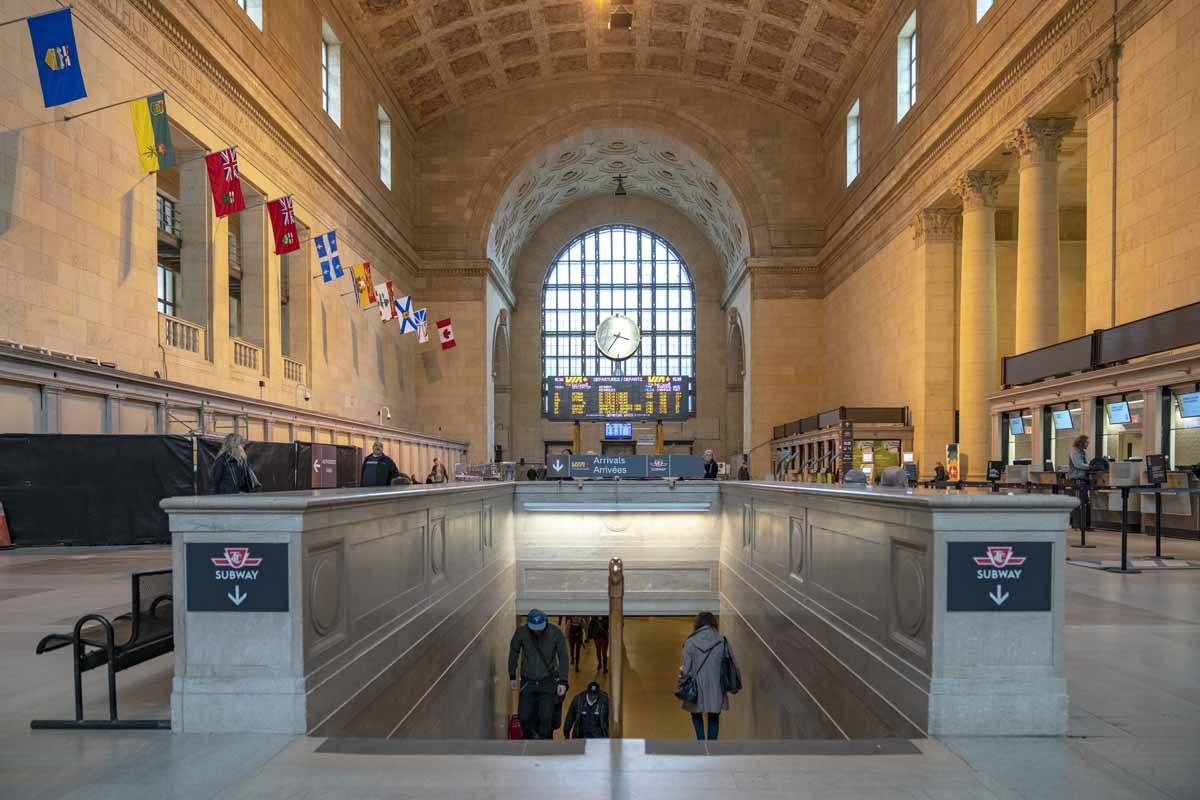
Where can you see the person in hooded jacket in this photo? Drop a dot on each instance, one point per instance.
(587, 718)
(702, 653)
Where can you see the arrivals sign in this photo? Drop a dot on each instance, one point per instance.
(675, 466)
(237, 577)
(998, 576)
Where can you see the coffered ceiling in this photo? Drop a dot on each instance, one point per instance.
(442, 54)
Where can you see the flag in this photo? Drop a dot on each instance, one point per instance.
(404, 310)
(283, 225)
(446, 334)
(422, 329)
(152, 132)
(53, 38)
(383, 296)
(362, 284)
(327, 256)
(225, 182)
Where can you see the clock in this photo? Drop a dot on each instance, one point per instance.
(618, 337)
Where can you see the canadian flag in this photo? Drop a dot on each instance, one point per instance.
(446, 333)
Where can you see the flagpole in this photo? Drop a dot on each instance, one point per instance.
(29, 16)
(69, 117)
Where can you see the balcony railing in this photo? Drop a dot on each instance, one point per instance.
(247, 355)
(293, 370)
(180, 334)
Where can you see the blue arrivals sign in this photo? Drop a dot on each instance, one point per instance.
(625, 467)
(1003, 576)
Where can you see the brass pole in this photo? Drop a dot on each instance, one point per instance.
(616, 644)
(576, 439)
(659, 445)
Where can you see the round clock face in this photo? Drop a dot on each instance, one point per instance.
(618, 337)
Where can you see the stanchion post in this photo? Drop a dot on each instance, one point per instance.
(616, 646)
(1085, 512)
(1124, 568)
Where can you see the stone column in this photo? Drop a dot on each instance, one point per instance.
(978, 369)
(1100, 81)
(195, 288)
(934, 231)
(1037, 143)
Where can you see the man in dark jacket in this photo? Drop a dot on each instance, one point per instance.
(378, 469)
(588, 716)
(542, 652)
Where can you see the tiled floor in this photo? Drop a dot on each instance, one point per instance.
(1133, 646)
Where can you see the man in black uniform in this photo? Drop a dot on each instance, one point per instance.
(588, 716)
(542, 652)
(378, 469)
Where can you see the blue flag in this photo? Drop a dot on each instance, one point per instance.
(57, 58)
(327, 256)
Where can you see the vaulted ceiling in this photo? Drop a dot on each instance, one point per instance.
(442, 54)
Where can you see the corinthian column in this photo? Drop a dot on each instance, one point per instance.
(978, 371)
(1037, 143)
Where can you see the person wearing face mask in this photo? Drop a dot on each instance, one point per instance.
(541, 652)
(587, 718)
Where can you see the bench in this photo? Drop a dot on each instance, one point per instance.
(145, 632)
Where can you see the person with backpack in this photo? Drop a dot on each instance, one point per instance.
(598, 632)
(231, 472)
(708, 676)
(587, 718)
(540, 649)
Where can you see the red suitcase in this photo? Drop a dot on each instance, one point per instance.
(514, 728)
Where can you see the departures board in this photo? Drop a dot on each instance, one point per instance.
(617, 397)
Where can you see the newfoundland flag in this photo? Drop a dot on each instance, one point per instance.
(223, 178)
(57, 58)
(283, 225)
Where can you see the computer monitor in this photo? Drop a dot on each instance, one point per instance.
(1062, 420)
(1189, 405)
(618, 430)
(1118, 413)
(1016, 426)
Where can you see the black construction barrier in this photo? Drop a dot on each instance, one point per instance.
(274, 463)
(91, 489)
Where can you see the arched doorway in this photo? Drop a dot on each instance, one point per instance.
(502, 388)
(735, 384)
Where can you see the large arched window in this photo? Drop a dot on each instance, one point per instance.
(618, 269)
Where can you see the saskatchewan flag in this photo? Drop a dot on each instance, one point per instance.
(152, 132)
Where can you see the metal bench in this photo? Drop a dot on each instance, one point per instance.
(146, 631)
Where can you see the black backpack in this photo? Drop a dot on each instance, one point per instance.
(731, 676)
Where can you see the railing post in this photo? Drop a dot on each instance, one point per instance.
(616, 644)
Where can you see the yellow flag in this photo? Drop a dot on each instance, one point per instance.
(143, 132)
(363, 285)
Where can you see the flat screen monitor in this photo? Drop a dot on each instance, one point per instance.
(908, 458)
(1118, 413)
(1189, 405)
(1016, 426)
(1062, 420)
(618, 430)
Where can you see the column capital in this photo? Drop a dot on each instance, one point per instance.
(934, 225)
(1100, 78)
(1038, 139)
(977, 188)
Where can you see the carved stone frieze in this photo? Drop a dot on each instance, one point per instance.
(1100, 78)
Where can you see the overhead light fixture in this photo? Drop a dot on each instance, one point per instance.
(621, 18)
(620, 192)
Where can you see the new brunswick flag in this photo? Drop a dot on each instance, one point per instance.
(363, 285)
(152, 132)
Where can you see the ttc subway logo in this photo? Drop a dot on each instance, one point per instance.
(1000, 558)
(237, 557)
(658, 463)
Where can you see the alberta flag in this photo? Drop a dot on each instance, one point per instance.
(53, 38)
(327, 256)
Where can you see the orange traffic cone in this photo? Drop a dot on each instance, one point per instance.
(5, 539)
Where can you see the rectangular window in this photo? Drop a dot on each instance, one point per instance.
(906, 67)
(167, 278)
(982, 7)
(254, 10)
(852, 138)
(385, 148)
(168, 215)
(331, 74)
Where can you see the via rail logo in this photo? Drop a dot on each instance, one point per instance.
(1002, 562)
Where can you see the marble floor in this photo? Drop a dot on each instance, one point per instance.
(1133, 645)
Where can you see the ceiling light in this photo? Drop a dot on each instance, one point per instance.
(620, 192)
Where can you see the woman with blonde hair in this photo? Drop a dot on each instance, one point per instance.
(232, 473)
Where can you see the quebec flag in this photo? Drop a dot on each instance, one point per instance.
(328, 256)
(57, 57)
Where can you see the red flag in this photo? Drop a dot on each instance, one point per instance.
(223, 178)
(283, 225)
(446, 334)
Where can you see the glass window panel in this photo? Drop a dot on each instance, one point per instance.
(660, 272)
(618, 247)
(576, 253)
(674, 320)
(589, 247)
(576, 272)
(660, 320)
(673, 271)
(673, 298)
(685, 320)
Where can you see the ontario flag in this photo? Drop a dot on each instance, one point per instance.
(283, 225)
(226, 185)
(446, 333)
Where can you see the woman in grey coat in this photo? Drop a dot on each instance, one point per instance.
(702, 654)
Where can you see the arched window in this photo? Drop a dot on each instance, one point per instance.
(618, 269)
